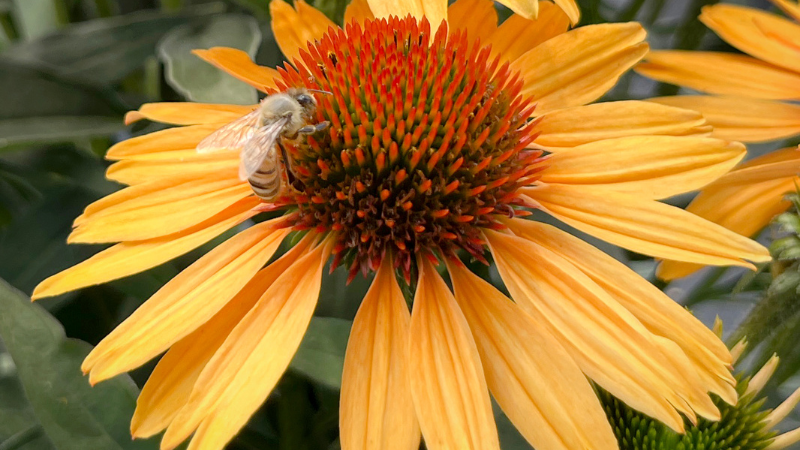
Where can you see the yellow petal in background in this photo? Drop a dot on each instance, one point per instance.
(376, 411)
(657, 312)
(181, 138)
(294, 28)
(570, 7)
(528, 9)
(609, 344)
(185, 303)
(742, 119)
(248, 365)
(238, 64)
(132, 172)
(188, 113)
(534, 380)
(653, 167)
(434, 10)
(168, 388)
(477, 17)
(161, 212)
(647, 226)
(447, 380)
(765, 36)
(128, 258)
(722, 73)
(571, 127)
(790, 7)
(517, 35)
(581, 65)
(357, 10)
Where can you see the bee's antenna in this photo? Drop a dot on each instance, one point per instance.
(320, 91)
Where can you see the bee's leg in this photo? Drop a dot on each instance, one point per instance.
(311, 129)
(287, 163)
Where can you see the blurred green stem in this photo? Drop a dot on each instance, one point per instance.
(171, 5)
(62, 12)
(8, 27)
(631, 12)
(702, 291)
(105, 8)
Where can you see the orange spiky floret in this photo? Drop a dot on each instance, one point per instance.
(427, 143)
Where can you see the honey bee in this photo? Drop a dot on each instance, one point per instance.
(258, 135)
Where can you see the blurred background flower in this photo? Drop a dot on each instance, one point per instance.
(70, 69)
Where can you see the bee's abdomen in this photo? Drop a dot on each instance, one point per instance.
(266, 181)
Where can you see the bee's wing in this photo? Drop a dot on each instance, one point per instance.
(232, 136)
(259, 146)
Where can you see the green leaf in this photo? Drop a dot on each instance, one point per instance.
(72, 414)
(42, 106)
(104, 51)
(18, 424)
(199, 81)
(321, 354)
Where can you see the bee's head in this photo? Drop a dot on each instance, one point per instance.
(304, 98)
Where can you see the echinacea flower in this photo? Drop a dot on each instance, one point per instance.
(753, 95)
(746, 425)
(437, 148)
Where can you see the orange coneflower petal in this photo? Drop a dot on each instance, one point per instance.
(647, 226)
(581, 65)
(171, 139)
(742, 119)
(157, 212)
(238, 64)
(168, 388)
(245, 369)
(607, 342)
(660, 314)
(187, 113)
(357, 10)
(376, 410)
(722, 73)
(571, 127)
(185, 302)
(528, 9)
(760, 34)
(434, 10)
(194, 164)
(517, 35)
(128, 258)
(646, 166)
(763, 170)
(744, 210)
(477, 17)
(571, 8)
(447, 380)
(789, 7)
(294, 28)
(532, 377)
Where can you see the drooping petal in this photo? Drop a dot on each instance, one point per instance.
(434, 10)
(766, 36)
(742, 119)
(128, 258)
(169, 140)
(147, 211)
(570, 7)
(581, 65)
(653, 167)
(790, 7)
(517, 35)
(780, 164)
(185, 303)
(188, 113)
(659, 313)
(248, 365)
(447, 380)
(376, 411)
(743, 210)
(238, 64)
(571, 127)
(528, 9)
(168, 388)
(722, 73)
(532, 377)
(294, 28)
(647, 226)
(198, 165)
(607, 342)
(477, 17)
(358, 11)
